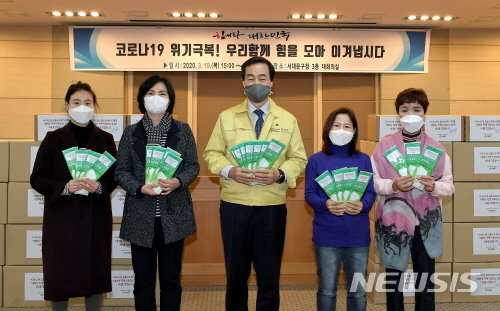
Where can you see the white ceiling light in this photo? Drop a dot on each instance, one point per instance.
(296, 16)
(56, 13)
(412, 17)
(448, 18)
(308, 16)
(95, 14)
(82, 14)
(188, 14)
(332, 16)
(201, 14)
(425, 17)
(436, 18)
(214, 15)
(69, 13)
(320, 16)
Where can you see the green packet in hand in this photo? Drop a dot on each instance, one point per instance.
(271, 154)
(430, 158)
(102, 164)
(70, 158)
(169, 166)
(236, 152)
(88, 164)
(80, 156)
(397, 160)
(325, 181)
(359, 187)
(338, 178)
(413, 155)
(350, 176)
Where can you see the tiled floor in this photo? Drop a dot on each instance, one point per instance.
(293, 298)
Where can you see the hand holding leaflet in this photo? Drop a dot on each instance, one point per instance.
(413, 156)
(350, 176)
(91, 164)
(397, 161)
(359, 187)
(325, 181)
(429, 160)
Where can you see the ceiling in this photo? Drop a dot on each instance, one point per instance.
(355, 13)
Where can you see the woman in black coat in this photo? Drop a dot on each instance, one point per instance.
(77, 229)
(156, 224)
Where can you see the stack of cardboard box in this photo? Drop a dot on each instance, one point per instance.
(21, 218)
(476, 217)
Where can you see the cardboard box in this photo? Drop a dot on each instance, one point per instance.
(1, 284)
(477, 202)
(476, 161)
(367, 146)
(117, 202)
(122, 280)
(447, 242)
(439, 127)
(4, 161)
(476, 242)
(2, 245)
(487, 283)
(122, 295)
(482, 128)
(3, 203)
(25, 205)
(25, 287)
(447, 209)
(120, 249)
(23, 245)
(111, 123)
(22, 154)
(381, 125)
(379, 297)
(133, 118)
(445, 127)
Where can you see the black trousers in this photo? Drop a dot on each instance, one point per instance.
(424, 268)
(144, 262)
(253, 234)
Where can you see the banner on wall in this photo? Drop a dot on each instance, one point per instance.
(225, 49)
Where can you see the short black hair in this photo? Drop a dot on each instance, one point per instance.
(148, 84)
(412, 95)
(328, 126)
(80, 86)
(256, 60)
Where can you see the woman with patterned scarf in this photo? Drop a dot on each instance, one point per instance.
(409, 218)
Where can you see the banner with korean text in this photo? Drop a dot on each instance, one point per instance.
(225, 49)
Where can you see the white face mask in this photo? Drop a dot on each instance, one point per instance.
(340, 137)
(411, 123)
(156, 104)
(81, 114)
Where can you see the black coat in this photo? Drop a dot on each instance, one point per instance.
(177, 215)
(77, 229)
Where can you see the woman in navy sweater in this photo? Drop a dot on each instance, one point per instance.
(341, 230)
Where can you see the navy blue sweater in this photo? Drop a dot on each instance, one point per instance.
(330, 230)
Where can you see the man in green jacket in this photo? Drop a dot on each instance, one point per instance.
(253, 209)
